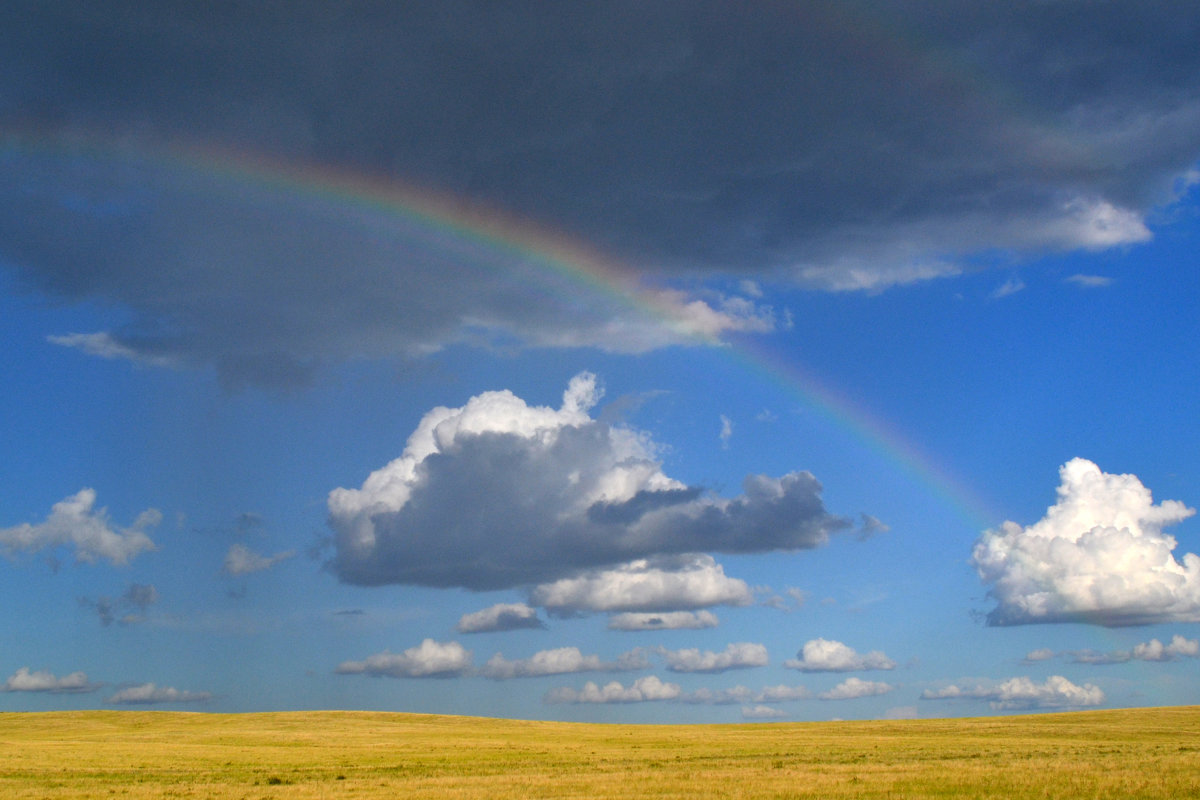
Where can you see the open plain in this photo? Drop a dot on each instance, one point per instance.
(1137, 753)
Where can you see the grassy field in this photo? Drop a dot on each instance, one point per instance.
(1098, 754)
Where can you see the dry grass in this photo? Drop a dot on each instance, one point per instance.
(1142, 753)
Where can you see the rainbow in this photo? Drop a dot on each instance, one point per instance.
(462, 228)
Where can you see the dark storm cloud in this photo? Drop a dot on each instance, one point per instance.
(843, 145)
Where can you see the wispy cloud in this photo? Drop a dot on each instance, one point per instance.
(241, 560)
(1089, 281)
(670, 620)
(76, 523)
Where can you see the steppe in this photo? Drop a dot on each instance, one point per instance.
(1133, 753)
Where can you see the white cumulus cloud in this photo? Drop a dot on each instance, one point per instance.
(1055, 692)
(75, 522)
(500, 617)
(150, 694)
(668, 620)
(499, 493)
(736, 655)
(683, 582)
(852, 688)
(1098, 556)
(1153, 650)
(430, 659)
(560, 661)
(643, 690)
(25, 680)
(827, 655)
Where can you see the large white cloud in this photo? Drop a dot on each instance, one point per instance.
(852, 148)
(26, 680)
(499, 493)
(429, 659)
(560, 661)
(499, 617)
(1098, 556)
(1055, 692)
(153, 694)
(827, 655)
(736, 655)
(75, 522)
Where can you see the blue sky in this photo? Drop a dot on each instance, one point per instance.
(633, 362)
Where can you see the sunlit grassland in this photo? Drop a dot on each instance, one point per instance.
(1100, 754)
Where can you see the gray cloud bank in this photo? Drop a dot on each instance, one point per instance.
(498, 494)
(840, 146)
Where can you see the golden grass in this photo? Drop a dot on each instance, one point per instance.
(1140, 753)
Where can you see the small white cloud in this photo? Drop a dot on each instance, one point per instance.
(151, 694)
(643, 690)
(852, 688)
(737, 655)
(762, 712)
(500, 617)
(827, 655)
(1055, 692)
(726, 430)
(24, 680)
(241, 560)
(1008, 288)
(668, 620)
(1153, 650)
(560, 661)
(1042, 654)
(687, 582)
(1094, 224)
(1098, 556)
(1089, 281)
(429, 659)
(74, 522)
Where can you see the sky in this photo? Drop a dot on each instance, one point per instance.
(624, 362)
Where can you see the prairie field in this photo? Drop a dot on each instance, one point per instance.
(1136, 753)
